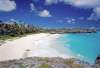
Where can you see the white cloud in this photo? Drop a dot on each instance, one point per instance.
(49, 2)
(97, 10)
(44, 13)
(95, 4)
(71, 21)
(32, 7)
(67, 20)
(12, 20)
(80, 3)
(81, 18)
(7, 5)
(92, 27)
(60, 21)
(85, 3)
(95, 15)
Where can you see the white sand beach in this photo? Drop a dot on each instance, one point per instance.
(38, 45)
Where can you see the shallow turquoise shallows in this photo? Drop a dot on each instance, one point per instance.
(85, 45)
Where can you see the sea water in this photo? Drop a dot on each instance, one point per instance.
(85, 46)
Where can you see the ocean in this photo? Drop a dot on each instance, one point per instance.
(85, 46)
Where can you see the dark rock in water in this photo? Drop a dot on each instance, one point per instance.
(98, 61)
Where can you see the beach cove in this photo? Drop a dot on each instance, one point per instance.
(84, 46)
(35, 45)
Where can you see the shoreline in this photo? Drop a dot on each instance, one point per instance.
(35, 45)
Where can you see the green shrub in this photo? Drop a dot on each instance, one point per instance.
(22, 66)
(44, 65)
(76, 66)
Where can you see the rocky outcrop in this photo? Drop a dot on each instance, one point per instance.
(45, 62)
(98, 61)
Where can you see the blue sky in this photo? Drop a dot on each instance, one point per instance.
(52, 13)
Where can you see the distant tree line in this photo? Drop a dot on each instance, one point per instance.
(14, 28)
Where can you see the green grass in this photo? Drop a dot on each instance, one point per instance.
(22, 66)
(11, 36)
(5, 37)
(44, 65)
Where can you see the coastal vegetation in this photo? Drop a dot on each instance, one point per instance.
(13, 29)
(44, 65)
(71, 63)
(16, 29)
(55, 62)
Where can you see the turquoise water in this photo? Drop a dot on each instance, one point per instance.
(86, 46)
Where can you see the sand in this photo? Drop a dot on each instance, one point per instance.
(35, 45)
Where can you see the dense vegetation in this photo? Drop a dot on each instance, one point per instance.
(8, 30)
(13, 29)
